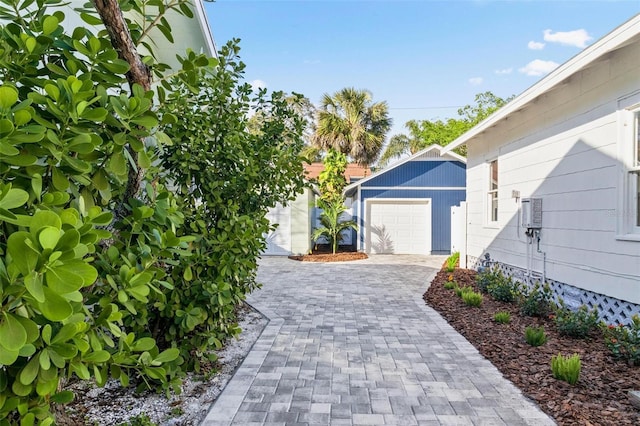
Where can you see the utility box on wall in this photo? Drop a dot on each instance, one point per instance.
(531, 213)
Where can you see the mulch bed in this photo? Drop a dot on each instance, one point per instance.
(599, 398)
(322, 253)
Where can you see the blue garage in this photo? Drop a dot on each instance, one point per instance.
(406, 207)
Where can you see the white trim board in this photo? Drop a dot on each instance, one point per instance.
(413, 188)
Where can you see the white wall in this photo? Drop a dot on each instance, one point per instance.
(562, 148)
(193, 33)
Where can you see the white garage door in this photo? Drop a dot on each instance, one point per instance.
(398, 226)
(279, 241)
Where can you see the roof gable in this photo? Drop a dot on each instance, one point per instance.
(431, 153)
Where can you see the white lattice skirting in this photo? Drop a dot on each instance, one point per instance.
(610, 309)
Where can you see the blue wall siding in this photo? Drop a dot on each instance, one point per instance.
(441, 200)
(423, 173)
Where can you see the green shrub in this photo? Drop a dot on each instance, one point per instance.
(450, 285)
(471, 298)
(577, 324)
(566, 368)
(461, 290)
(535, 301)
(535, 336)
(503, 289)
(487, 277)
(452, 261)
(104, 272)
(624, 341)
(502, 317)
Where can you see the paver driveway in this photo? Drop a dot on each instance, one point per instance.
(353, 343)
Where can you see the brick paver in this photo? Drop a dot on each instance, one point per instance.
(354, 344)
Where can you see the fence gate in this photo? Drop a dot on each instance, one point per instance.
(459, 232)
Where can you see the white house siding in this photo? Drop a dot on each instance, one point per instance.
(563, 148)
(188, 33)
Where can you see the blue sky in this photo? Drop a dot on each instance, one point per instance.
(425, 58)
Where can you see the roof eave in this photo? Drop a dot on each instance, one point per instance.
(201, 16)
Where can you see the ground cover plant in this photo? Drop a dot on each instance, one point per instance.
(600, 395)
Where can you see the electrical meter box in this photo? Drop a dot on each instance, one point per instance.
(531, 212)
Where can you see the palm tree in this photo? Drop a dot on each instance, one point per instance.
(351, 123)
(332, 226)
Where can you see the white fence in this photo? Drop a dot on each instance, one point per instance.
(459, 232)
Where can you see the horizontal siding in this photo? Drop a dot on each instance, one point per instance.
(422, 174)
(564, 149)
(440, 210)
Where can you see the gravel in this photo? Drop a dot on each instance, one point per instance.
(114, 405)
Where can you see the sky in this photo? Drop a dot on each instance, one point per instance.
(424, 58)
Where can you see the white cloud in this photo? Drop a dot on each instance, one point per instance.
(476, 81)
(504, 71)
(258, 84)
(538, 67)
(535, 45)
(577, 38)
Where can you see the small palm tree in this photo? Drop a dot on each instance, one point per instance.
(332, 226)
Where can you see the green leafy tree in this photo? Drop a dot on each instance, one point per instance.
(68, 131)
(331, 180)
(229, 177)
(424, 133)
(350, 122)
(104, 271)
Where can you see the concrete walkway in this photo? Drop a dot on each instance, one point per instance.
(354, 344)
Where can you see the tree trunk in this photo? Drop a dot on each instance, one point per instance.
(139, 73)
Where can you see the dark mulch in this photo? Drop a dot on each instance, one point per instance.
(323, 253)
(330, 257)
(599, 398)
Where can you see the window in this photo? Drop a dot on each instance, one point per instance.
(492, 194)
(629, 186)
(634, 175)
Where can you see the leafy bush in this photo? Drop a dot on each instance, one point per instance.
(535, 301)
(99, 277)
(624, 341)
(535, 336)
(577, 324)
(471, 298)
(502, 317)
(503, 289)
(452, 261)
(566, 368)
(488, 277)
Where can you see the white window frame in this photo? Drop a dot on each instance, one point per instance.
(492, 194)
(628, 214)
